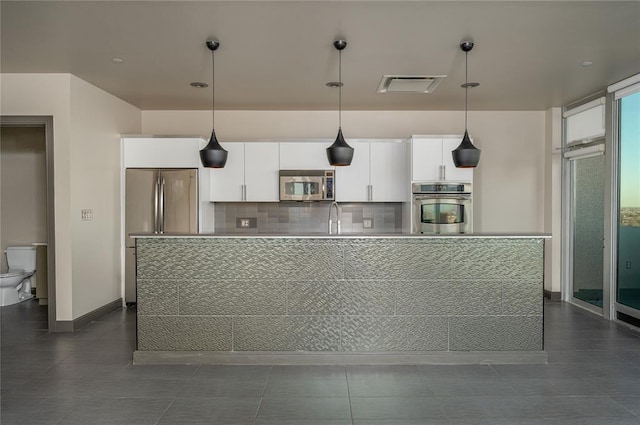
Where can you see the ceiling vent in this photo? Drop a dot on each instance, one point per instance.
(409, 83)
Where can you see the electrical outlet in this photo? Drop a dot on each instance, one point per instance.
(246, 222)
(87, 215)
(628, 264)
(367, 223)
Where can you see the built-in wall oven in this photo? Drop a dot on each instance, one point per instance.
(441, 208)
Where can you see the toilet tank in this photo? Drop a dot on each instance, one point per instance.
(21, 257)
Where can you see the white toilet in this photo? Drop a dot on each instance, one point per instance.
(15, 285)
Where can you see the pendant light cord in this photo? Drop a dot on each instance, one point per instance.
(213, 90)
(340, 89)
(466, 86)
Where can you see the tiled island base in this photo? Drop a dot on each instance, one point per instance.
(340, 300)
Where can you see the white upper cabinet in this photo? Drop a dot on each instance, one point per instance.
(389, 171)
(227, 184)
(261, 167)
(426, 159)
(352, 182)
(376, 174)
(304, 155)
(250, 174)
(161, 152)
(431, 160)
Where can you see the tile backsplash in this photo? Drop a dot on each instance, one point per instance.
(305, 217)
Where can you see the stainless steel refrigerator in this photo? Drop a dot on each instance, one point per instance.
(157, 201)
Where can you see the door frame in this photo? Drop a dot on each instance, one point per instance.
(613, 119)
(609, 215)
(45, 121)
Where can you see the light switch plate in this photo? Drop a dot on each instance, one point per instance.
(87, 214)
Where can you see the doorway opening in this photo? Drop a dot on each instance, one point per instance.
(28, 216)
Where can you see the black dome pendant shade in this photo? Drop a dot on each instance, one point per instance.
(213, 155)
(339, 153)
(466, 155)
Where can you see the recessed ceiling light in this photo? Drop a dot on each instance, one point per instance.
(199, 85)
(586, 63)
(117, 60)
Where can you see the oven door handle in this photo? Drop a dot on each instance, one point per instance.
(440, 197)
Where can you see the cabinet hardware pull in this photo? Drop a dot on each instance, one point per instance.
(161, 216)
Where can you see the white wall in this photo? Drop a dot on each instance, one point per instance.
(86, 155)
(97, 120)
(509, 182)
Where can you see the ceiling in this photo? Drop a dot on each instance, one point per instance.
(278, 55)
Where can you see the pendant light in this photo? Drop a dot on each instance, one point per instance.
(213, 155)
(339, 153)
(466, 155)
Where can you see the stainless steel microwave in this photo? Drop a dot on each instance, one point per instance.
(307, 185)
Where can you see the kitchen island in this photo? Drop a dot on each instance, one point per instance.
(385, 299)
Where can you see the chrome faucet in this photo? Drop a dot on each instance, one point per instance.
(338, 214)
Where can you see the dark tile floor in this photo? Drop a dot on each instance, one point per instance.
(86, 378)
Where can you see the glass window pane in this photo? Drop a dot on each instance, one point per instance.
(628, 288)
(588, 235)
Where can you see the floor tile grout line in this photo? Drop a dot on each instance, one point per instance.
(255, 417)
(346, 376)
(264, 390)
(622, 405)
(165, 411)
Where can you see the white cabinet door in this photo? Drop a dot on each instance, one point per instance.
(352, 182)
(227, 184)
(450, 171)
(304, 156)
(426, 159)
(160, 152)
(389, 172)
(261, 167)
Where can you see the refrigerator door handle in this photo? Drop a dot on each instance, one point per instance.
(161, 220)
(156, 205)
